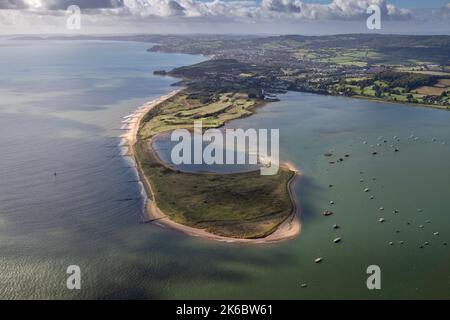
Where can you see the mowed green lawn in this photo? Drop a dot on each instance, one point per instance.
(182, 110)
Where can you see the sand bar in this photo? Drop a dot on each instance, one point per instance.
(288, 229)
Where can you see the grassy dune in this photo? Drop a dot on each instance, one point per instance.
(242, 205)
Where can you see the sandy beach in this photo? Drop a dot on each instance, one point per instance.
(289, 229)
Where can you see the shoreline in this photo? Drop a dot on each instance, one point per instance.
(400, 103)
(288, 229)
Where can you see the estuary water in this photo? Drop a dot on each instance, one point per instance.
(68, 197)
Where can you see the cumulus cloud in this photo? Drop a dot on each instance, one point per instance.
(296, 9)
(58, 4)
(341, 9)
(209, 10)
(338, 9)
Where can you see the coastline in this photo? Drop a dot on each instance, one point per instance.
(288, 229)
(406, 104)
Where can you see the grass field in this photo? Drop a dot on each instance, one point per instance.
(427, 72)
(184, 108)
(351, 57)
(244, 205)
(241, 205)
(443, 85)
(400, 95)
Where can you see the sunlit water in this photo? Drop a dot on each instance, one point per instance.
(61, 106)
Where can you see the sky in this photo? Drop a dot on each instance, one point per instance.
(404, 3)
(307, 17)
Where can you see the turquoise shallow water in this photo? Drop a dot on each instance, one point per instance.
(61, 105)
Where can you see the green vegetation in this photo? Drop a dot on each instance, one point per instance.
(213, 109)
(405, 80)
(402, 87)
(396, 68)
(350, 57)
(242, 205)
